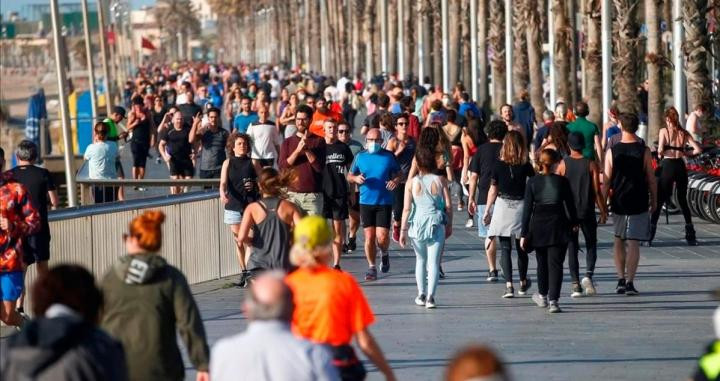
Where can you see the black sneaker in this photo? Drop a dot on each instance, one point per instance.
(441, 273)
(351, 245)
(371, 274)
(509, 293)
(620, 288)
(337, 267)
(492, 276)
(243, 281)
(525, 287)
(385, 262)
(630, 289)
(345, 248)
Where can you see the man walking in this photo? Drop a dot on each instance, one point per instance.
(270, 350)
(630, 179)
(266, 140)
(176, 149)
(338, 158)
(589, 131)
(40, 185)
(305, 154)
(377, 173)
(213, 138)
(481, 167)
(18, 220)
(246, 116)
(345, 136)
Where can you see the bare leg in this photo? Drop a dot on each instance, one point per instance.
(491, 253)
(239, 249)
(619, 248)
(382, 238)
(339, 228)
(354, 223)
(370, 253)
(8, 315)
(633, 259)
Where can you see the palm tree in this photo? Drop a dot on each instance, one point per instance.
(655, 60)
(593, 61)
(696, 48)
(178, 17)
(436, 35)
(563, 40)
(482, 38)
(496, 39)
(626, 65)
(533, 32)
(521, 77)
(465, 41)
(368, 32)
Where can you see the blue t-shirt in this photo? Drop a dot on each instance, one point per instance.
(378, 168)
(241, 122)
(214, 91)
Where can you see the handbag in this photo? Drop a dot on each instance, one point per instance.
(347, 363)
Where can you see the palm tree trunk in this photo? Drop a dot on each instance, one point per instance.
(593, 61)
(454, 39)
(392, 36)
(482, 18)
(696, 48)
(496, 39)
(437, 43)
(654, 59)
(521, 76)
(368, 32)
(410, 47)
(572, 10)
(465, 43)
(563, 40)
(535, 55)
(314, 41)
(423, 11)
(625, 67)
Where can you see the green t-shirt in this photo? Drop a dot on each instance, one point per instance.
(112, 133)
(588, 129)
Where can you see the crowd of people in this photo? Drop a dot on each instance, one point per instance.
(421, 156)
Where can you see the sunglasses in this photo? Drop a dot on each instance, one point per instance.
(342, 131)
(402, 123)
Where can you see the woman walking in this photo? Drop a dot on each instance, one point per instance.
(238, 188)
(147, 301)
(671, 147)
(504, 208)
(427, 221)
(271, 219)
(546, 227)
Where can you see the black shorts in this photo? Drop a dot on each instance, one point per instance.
(398, 202)
(181, 167)
(375, 216)
(335, 208)
(139, 154)
(356, 205)
(36, 248)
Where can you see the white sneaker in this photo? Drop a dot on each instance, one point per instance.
(420, 300)
(469, 223)
(540, 300)
(430, 303)
(589, 286)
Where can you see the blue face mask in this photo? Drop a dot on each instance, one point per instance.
(373, 147)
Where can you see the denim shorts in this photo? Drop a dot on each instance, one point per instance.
(482, 228)
(11, 286)
(232, 217)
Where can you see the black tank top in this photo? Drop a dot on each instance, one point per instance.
(141, 132)
(628, 183)
(577, 172)
(240, 170)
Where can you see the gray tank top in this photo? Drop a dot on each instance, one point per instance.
(271, 241)
(577, 172)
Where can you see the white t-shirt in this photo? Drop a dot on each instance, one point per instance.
(101, 158)
(265, 138)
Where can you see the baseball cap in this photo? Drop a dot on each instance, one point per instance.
(576, 141)
(312, 232)
(119, 110)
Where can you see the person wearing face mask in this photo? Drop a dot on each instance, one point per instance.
(304, 153)
(377, 173)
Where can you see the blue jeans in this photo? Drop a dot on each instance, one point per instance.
(427, 261)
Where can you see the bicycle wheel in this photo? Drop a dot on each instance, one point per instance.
(671, 205)
(714, 204)
(692, 191)
(704, 194)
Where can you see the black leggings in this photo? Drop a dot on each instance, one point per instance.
(398, 202)
(589, 229)
(673, 172)
(550, 270)
(506, 259)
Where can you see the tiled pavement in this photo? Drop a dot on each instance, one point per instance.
(656, 335)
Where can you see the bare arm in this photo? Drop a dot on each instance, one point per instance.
(406, 213)
(413, 170)
(471, 193)
(448, 207)
(163, 151)
(195, 129)
(598, 148)
(607, 176)
(54, 199)
(492, 196)
(247, 222)
(662, 141)
(599, 199)
(694, 144)
(223, 181)
(371, 349)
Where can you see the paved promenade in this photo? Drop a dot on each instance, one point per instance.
(656, 335)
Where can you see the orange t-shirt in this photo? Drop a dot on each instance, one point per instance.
(330, 307)
(316, 126)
